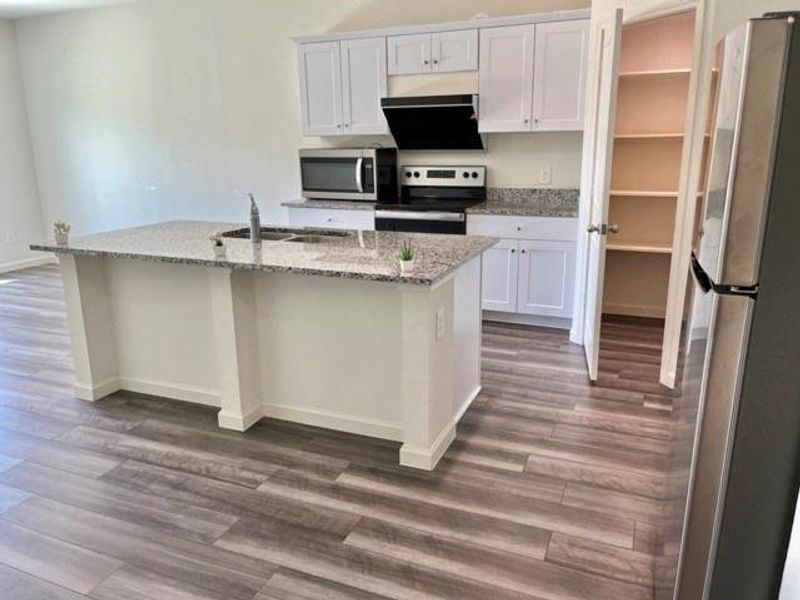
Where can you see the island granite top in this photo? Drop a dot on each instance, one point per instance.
(368, 255)
(330, 204)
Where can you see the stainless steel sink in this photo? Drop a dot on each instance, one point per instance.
(268, 234)
(314, 239)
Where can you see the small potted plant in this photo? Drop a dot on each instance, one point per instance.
(407, 256)
(217, 245)
(61, 232)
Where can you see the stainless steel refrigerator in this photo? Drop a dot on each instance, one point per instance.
(742, 367)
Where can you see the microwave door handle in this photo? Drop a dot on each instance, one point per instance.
(359, 177)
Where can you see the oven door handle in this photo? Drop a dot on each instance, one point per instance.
(405, 215)
(359, 176)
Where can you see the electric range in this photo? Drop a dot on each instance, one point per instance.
(433, 200)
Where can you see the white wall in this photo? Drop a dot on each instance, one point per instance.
(178, 108)
(20, 213)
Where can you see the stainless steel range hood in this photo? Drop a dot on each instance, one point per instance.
(434, 122)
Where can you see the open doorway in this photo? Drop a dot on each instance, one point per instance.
(655, 65)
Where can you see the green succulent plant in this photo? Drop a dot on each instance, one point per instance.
(407, 252)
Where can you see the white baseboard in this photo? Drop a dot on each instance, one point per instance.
(237, 422)
(516, 319)
(338, 422)
(94, 392)
(427, 458)
(28, 263)
(174, 391)
(634, 310)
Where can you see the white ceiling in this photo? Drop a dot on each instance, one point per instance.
(19, 9)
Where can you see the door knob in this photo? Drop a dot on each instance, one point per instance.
(613, 228)
(592, 229)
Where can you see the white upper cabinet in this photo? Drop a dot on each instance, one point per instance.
(341, 86)
(363, 86)
(533, 77)
(321, 88)
(454, 51)
(409, 54)
(444, 52)
(559, 75)
(506, 78)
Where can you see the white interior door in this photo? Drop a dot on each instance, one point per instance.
(603, 105)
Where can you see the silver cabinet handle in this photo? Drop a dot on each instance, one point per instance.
(407, 215)
(359, 181)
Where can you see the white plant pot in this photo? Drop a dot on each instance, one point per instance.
(407, 266)
(62, 239)
(219, 251)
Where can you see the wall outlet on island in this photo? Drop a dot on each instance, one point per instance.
(440, 315)
(547, 175)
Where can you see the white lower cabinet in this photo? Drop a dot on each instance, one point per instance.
(546, 278)
(531, 277)
(332, 218)
(500, 266)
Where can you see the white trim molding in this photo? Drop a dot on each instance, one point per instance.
(544, 17)
(28, 263)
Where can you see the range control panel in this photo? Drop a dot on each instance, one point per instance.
(474, 176)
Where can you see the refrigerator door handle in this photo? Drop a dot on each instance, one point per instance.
(700, 275)
(707, 284)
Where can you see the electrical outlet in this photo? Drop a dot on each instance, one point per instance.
(547, 175)
(440, 323)
(11, 236)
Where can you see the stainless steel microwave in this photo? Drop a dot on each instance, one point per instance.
(367, 174)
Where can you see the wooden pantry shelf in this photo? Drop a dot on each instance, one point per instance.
(651, 136)
(642, 247)
(659, 73)
(648, 136)
(647, 193)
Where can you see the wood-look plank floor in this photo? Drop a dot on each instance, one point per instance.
(550, 491)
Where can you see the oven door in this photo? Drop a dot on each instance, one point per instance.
(337, 174)
(421, 222)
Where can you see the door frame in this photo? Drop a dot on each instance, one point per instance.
(657, 9)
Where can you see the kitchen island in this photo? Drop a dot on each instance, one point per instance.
(318, 328)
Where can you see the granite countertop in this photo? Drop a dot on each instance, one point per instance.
(369, 255)
(330, 204)
(529, 202)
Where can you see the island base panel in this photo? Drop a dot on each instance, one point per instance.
(394, 361)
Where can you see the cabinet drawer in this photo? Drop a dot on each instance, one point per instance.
(363, 220)
(523, 228)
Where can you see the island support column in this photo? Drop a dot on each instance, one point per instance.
(233, 302)
(91, 326)
(428, 425)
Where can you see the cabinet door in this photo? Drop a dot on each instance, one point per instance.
(363, 86)
(320, 88)
(361, 220)
(500, 277)
(455, 51)
(559, 76)
(546, 278)
(506, 78)
(409, 54)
